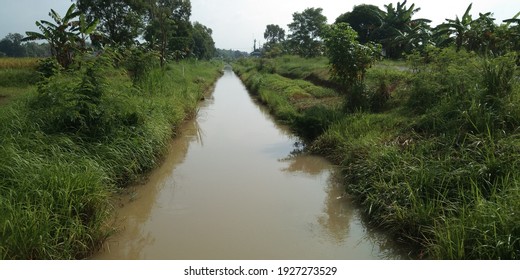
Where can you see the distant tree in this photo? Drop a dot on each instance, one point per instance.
(481, 37)
(168, 20)
(230, 55)
(364, 19)
(513, 20)
(512, 26)
(274, 34)
(306, 31)
(12, 46)
(121, 21)
(275, 37)
(414, 37)
(203, 44)
(34, 49)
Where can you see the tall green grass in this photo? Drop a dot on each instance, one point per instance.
(65, 150)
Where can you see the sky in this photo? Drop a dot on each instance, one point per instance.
(236, 23)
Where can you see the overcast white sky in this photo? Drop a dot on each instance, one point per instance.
(236, 23)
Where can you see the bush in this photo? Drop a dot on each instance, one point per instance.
(356, 98)
(424, 94)
(138, 62)
(71, 102)
(379, 97)
(48, 67)
(498, 78)
(314, 121)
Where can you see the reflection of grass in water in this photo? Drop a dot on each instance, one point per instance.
(307, 164)
(338, 211)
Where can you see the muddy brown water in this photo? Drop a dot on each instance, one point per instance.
(234, 186)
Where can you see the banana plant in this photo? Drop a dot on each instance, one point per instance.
(66, 36)
(456, 29)
(514, 19)
(396, 22)
(413, 37)
(85, 29)
(514, 31)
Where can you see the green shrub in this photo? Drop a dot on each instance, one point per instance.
(48, 67)
(356, 98)
(71, 102)
(379, 97)
(138, 62)
(424, 94)
(314, 121)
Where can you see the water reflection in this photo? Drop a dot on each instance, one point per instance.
(337, 211)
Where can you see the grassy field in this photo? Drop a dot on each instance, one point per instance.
(69, 143)
(18, 63)
(432, 158)
(17, 75)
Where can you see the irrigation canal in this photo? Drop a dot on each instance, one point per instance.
(235, 186)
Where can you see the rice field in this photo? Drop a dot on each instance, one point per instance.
(18, 63)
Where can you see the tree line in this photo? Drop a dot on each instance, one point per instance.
(13, 46)
(367, 33)
(396, 30)
(160, 26)
(163, 25)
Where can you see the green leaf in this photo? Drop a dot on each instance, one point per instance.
(31, 36)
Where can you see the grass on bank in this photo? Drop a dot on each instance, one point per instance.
(436, 165)
(67, 145)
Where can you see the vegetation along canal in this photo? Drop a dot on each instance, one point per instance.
(234, 186)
